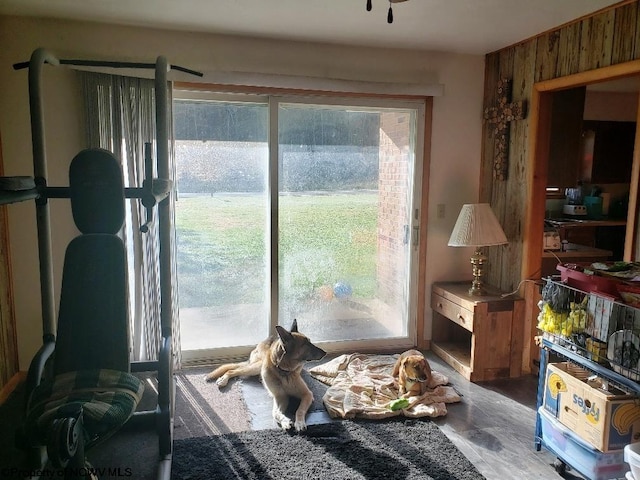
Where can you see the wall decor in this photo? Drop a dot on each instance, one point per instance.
(500, 118)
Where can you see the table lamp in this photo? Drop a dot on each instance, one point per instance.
(477, 226)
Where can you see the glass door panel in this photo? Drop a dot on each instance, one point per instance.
(221, 223)
(344, 216)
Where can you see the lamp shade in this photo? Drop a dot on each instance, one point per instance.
(477, 226)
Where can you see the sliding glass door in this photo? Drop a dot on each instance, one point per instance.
(296, 208)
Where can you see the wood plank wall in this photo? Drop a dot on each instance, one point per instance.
(606, 38)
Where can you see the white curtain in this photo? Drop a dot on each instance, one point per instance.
(120, 117)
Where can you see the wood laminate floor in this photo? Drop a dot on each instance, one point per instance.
(494, 426)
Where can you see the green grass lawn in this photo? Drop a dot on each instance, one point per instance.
(323, 239)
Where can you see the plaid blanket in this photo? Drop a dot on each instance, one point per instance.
(108, 398)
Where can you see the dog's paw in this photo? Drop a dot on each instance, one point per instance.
(286, 424)
(300, 425)
(209, 377)
(222, 381)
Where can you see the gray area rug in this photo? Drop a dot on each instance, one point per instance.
(392, 449)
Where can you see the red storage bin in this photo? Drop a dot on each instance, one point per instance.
(588, 282)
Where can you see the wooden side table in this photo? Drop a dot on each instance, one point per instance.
(480, 336)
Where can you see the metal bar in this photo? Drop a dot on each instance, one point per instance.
(165, 355)
(56, 192)
(38, 58)
(187, 70)
(164, 207)
(108, 64)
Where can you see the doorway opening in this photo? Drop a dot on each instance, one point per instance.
(543, 164)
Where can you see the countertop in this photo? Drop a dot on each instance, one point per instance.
(575, 222)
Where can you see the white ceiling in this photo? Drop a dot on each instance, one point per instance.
(460, 26)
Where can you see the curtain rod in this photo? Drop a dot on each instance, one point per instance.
(99, 63)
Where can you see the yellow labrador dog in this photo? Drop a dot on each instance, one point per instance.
(413, 373)
(279, 361)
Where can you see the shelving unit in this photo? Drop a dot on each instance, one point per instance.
(567, 348)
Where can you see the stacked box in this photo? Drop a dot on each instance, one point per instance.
(608, 421)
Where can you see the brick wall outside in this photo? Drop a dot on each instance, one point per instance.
(394, 188)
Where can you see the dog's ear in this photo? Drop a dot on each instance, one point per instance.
(284, 335)
(294, 326)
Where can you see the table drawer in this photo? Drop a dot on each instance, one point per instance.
(452, 311)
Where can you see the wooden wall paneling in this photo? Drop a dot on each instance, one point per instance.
(568, 62)
(603, 29)
(625, 31)
(636, 43)
(583, 53)
(497, 256)
(596, 41)
(547, 46)
(492, 69)
(514, 206)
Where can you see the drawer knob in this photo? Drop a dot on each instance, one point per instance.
(439, 305)
(460, 317)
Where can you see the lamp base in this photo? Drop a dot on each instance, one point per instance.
(477, 261)
(477, 291)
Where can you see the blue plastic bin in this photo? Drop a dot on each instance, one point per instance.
(579, 455)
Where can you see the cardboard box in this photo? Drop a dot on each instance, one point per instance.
(607, 420)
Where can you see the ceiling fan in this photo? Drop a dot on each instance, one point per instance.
(390, 12)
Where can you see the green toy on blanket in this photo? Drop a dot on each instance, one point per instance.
(398, 404)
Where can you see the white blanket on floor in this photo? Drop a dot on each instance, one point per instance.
(361, 385)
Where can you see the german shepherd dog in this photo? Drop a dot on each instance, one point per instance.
(413, 373)
(278, 360)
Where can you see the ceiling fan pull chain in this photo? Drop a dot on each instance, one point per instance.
(368, 5)
(390, 14)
